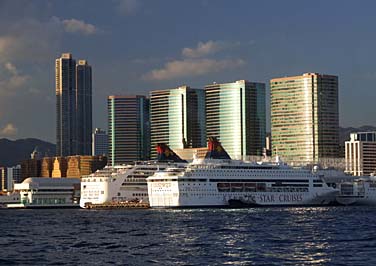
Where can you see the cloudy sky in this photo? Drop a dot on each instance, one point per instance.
(135, 46)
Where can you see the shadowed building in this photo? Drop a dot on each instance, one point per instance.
(177, 118)
(304, 117)
(235, 114)
(30, 168)
(83, 107)
(100, 142)
(128, 129)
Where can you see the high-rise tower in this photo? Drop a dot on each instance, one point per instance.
(73, 106)
(304, 117)
(177, 118)
(128, 129)
(235, 114)
(83, 107)
(65, 68)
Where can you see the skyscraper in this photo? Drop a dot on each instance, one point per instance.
(100, 142)
(83, 107)
(65, 68)
(177, 118)
(304, 117)
(73, 106)
(235, 114)
(128, 129)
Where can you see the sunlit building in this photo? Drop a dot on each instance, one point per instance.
(177, 118)
(128, 129)
(360, 154)
(73, 106)
(304, 117)
(235, 114)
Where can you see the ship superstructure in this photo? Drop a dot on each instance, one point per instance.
(126, 182)
(219, 181)
(362, 191)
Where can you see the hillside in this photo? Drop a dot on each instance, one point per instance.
(13, 152)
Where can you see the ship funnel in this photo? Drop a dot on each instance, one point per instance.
(215, 150)
(166, 154)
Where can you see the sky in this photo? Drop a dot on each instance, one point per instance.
(136, 46)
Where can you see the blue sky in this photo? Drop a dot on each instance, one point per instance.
(138, 46)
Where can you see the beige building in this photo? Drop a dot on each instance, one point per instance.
(84, 165)
(47, 166)
(304, 117)
(360, 154)
(189, 153)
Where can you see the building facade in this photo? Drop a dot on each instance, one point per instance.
(9, 176)
(73, 106)
(100, 142)
(235, 114)
(84, 107)
(304, 117)
(128, 129)
(177, 118)
(360, 154)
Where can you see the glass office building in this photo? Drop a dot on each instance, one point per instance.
(177, 118)
(304, 117)
(235, 114)
(128, 129)
(73, 83)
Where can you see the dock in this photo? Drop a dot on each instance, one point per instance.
(118, 205)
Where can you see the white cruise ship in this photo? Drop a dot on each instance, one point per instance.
(360, 192)
(126, 182)
(219, 181)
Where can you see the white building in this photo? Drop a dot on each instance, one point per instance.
(41, 192)
(360, 153)
(9, 176)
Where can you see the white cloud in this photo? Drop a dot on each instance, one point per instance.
(11, 80)
(203, 49)
(128, 7)
(192, 67)
(9, 130)
(32, 40)
(78, 26)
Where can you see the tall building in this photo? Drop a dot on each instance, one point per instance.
(177, 118)
(235, 114)
(73, 106)
(83, 107)
(65, 68)
(128, 129)
(304, 117)
(360, 154)
(100, 142)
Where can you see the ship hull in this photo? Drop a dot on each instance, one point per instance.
(174, 200)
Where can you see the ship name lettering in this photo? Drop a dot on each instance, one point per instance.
(290, 197)
(266, 198)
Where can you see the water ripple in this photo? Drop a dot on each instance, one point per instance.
(260, 236)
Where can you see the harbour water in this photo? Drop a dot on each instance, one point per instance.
(255, 236)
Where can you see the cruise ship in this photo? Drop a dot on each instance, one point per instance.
(218, 181)
(126, 182)
(360, 192)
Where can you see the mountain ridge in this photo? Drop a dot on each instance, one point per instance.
(12, 152)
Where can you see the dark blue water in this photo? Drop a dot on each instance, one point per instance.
(261, 236)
